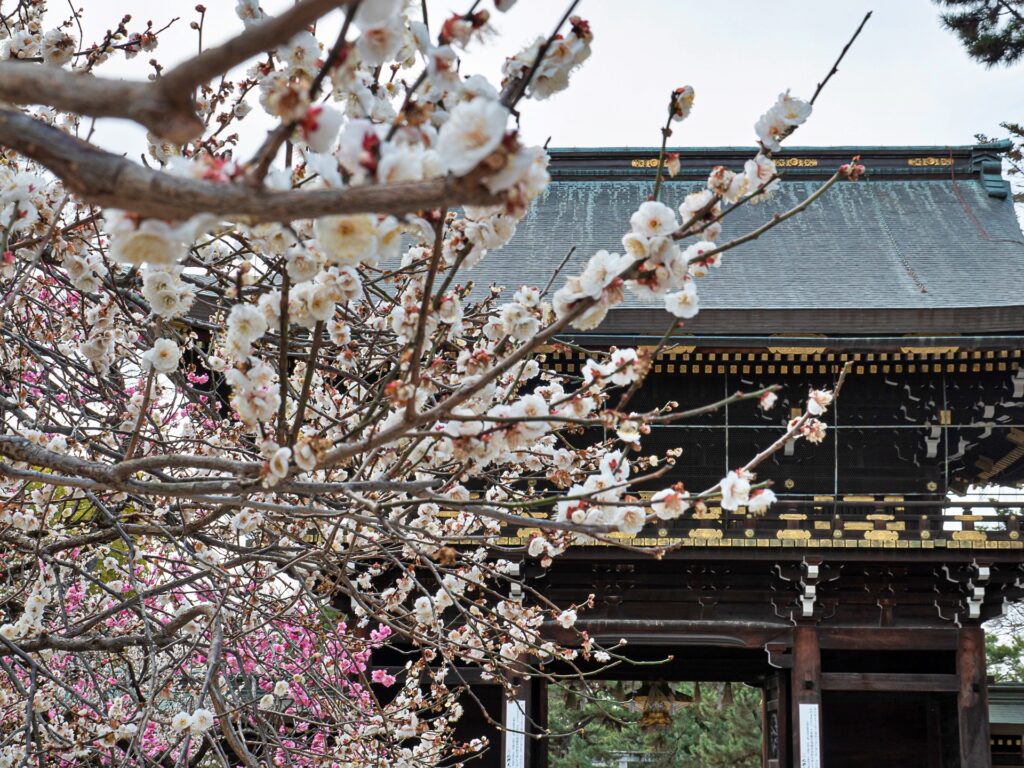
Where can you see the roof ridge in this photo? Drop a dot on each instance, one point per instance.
(997, 147)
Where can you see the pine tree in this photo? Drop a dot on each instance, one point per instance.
(1005, 657)
(708, 733)
(992, 31)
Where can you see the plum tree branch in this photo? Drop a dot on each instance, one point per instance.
(163, 106)
(111, 181)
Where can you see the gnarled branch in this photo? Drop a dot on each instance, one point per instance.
(111, 181)
(163, 106)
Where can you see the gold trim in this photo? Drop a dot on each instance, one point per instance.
(796, 162)
(793, 533)
(881, 535)
(970, 536)
(796, 350)
(919, 162)
(929, 350)
(705, 533)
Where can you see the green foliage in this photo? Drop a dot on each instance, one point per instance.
(992, 31)
(1005, 657)
(708, 733)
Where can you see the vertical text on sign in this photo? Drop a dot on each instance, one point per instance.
(810, 738)
(515, 733)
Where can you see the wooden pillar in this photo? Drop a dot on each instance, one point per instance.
(934, 732)
(972, 700)
(805, 695)
(538, 748)
(775, 721)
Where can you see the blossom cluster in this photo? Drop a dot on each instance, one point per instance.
(653, 266)
(253, 461)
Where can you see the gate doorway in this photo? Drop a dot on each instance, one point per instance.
(664, 724)
(801, 698)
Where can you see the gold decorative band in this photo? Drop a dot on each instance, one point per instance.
(925, 161)
(782, 162)
(796, 162)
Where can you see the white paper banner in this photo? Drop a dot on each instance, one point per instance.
(515, 736)
(810, 736)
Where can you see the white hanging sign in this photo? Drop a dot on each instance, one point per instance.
(810, 736)
(515, 735)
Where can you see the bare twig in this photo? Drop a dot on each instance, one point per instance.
(842, 53)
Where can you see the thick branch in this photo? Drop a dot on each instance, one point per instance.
(107, 180)
(144, 103)
(163, 106)
(115, 644)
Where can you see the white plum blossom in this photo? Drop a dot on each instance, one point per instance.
(567, 618)
(727, 184)
(373, 13)
(818, 401)
(684, 303)
(86, 271)
(310, 395)
(163, 356)
(202, 721)
(602, 269)
(628, 431)
(320, 127)
(700, 256)
(563, 56)
(735, 489)
(653, 219)
(760, 501)
(621, 368)
(473, 130)
(379, 44)
(350, 240)
(670, 504)
(423, 609)
(537, 546)
(518, 322)
(149, 241)
(760, 171)
(630, 519)
(359, 139)
(787, 113)
(57, 47)
(246, 521)
(168, 295)
(278, 464)
(249, 11)
(682, 103)
(305, 456)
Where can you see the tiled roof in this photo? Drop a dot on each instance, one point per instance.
(1006, 704)
(914, 243)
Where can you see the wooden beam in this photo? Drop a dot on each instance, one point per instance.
(871, 681)
(972, 701)
(871, 639)
(656, 631)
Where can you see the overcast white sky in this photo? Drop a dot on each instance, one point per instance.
(907, 81)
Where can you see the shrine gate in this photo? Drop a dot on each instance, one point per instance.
(857, 602)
